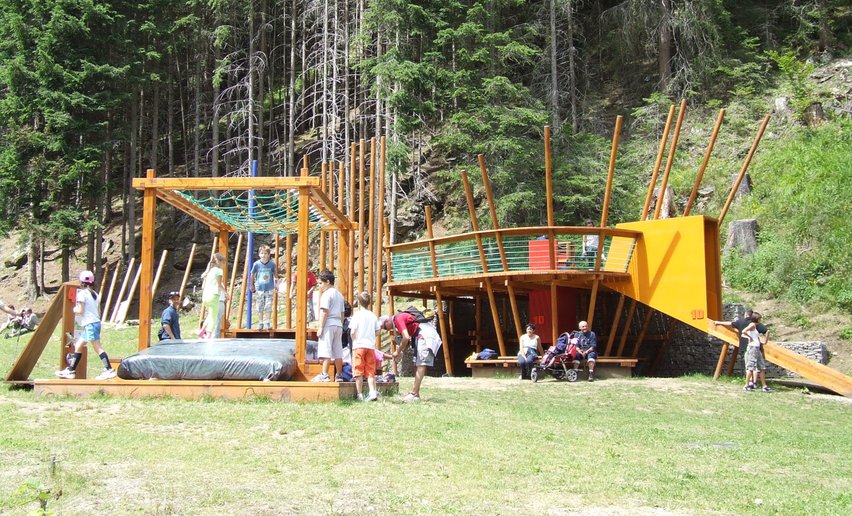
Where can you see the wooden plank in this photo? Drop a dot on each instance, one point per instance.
(29, 355)
(225, 183)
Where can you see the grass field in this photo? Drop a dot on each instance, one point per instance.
(500, 446)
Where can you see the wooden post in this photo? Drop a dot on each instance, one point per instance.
(739, 180)
(343, 263)
(149, 221)
(330, 234)
(440, 309)
(122, 290)
(721, 361)
(122, 313)
(68, 291)
(644, 329)
(188, 269)
(653, 181)
(630, 312)
(352, 191)
(361, 217)
(302, 277)
(159, 272)
(111, 290)
(591, 316)
(610, 173)
(390, 271)
(371, 241)
(233, 282)
(223, 249)
(288, 303)
(706, 160)
(322, 234)
(104, 276)
(495, 315)
(277, 274)
(548, 177)
(380, 217)
(430, 235)
(554, 313)
(672, 151)
(477, 310)
(614, 327)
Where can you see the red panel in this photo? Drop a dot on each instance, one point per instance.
(540, 314)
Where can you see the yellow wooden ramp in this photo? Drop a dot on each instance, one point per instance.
(676, 269)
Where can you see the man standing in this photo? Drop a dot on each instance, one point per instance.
(426, 343)
(329, 327)
(587, 346)
(170, 322)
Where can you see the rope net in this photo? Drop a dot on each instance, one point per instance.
(257, 212)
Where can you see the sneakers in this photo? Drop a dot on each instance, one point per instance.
(66, 373)
(322, 377)
(338, 378)
(359, 397)
(108, 374)
(411, 397)
(373, 396)
(767, 388)
(749, 387)
(591, 376)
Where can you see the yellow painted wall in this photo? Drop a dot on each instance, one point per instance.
(676, 269)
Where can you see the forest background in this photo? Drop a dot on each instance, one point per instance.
(94, 93)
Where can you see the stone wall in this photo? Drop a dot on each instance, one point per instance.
(693, 351)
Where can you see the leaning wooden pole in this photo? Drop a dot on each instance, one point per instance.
(613, 328)
(662, 149)
(361, 215)
(111, 290)
(122, 290)
(489, 195)
(610, 172)
(233, 282)
(188, 269)
(694, 194)
(104, 276)
(590, 318)
(495, 316)
(743, 170)
(630, 312)
(156, 282)
(380, 217)
(670, 161)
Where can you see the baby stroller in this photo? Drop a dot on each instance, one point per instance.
(560, 361)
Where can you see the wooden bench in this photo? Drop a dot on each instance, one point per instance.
(612, 366)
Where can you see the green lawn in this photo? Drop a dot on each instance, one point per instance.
(646, 446)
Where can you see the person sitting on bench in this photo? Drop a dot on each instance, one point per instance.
(587, 347)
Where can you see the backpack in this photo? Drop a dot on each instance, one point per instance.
(424, 316)
(487, 354)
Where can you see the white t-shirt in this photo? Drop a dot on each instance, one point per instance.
(362, 327)
(211, 284)
(332, 300)
(91, 311)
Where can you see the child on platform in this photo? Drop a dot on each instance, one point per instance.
(264, 275)
(213, 297)
(88, 318)
(363, 326)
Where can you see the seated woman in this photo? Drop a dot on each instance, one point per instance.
(530, 347)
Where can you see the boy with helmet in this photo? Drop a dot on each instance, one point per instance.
(88, 317)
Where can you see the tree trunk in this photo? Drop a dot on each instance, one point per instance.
(155, 126)
(131, 173)
(32, 272)
(665, 50)
(742, 235)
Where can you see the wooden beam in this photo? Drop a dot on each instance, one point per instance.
(448, 362)
(149, 221)
(672, 151)
(590, 318)
(627, 323)
(111, 290)
(642, 331)
(352, 192)
(159, 272)
(736, 185)
(380, 218)
(226, 183)
(653, 181)
(104, 276)
(233, 282)
(371, 229)
(707, 153)
(288, 302)
(193, 210)
(30, 354)
(610, 172)
(121, 291)
(361, 216)
(188, 269)
(302, 277)
(343, 262)
(614, 327)
(548, 177)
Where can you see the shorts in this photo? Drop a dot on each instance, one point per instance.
(424, 355)
(754, 359)
(91, 332)
(364, 362)
(589, 358)
(329, 344)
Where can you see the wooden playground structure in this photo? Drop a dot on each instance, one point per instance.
(541, 274)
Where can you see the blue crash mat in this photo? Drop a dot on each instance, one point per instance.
(219, 359)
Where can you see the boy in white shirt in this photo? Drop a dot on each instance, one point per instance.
(363, 327)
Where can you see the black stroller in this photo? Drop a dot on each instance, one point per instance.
(560, 361)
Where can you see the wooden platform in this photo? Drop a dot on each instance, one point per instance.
(195, 389)
(606, 367)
